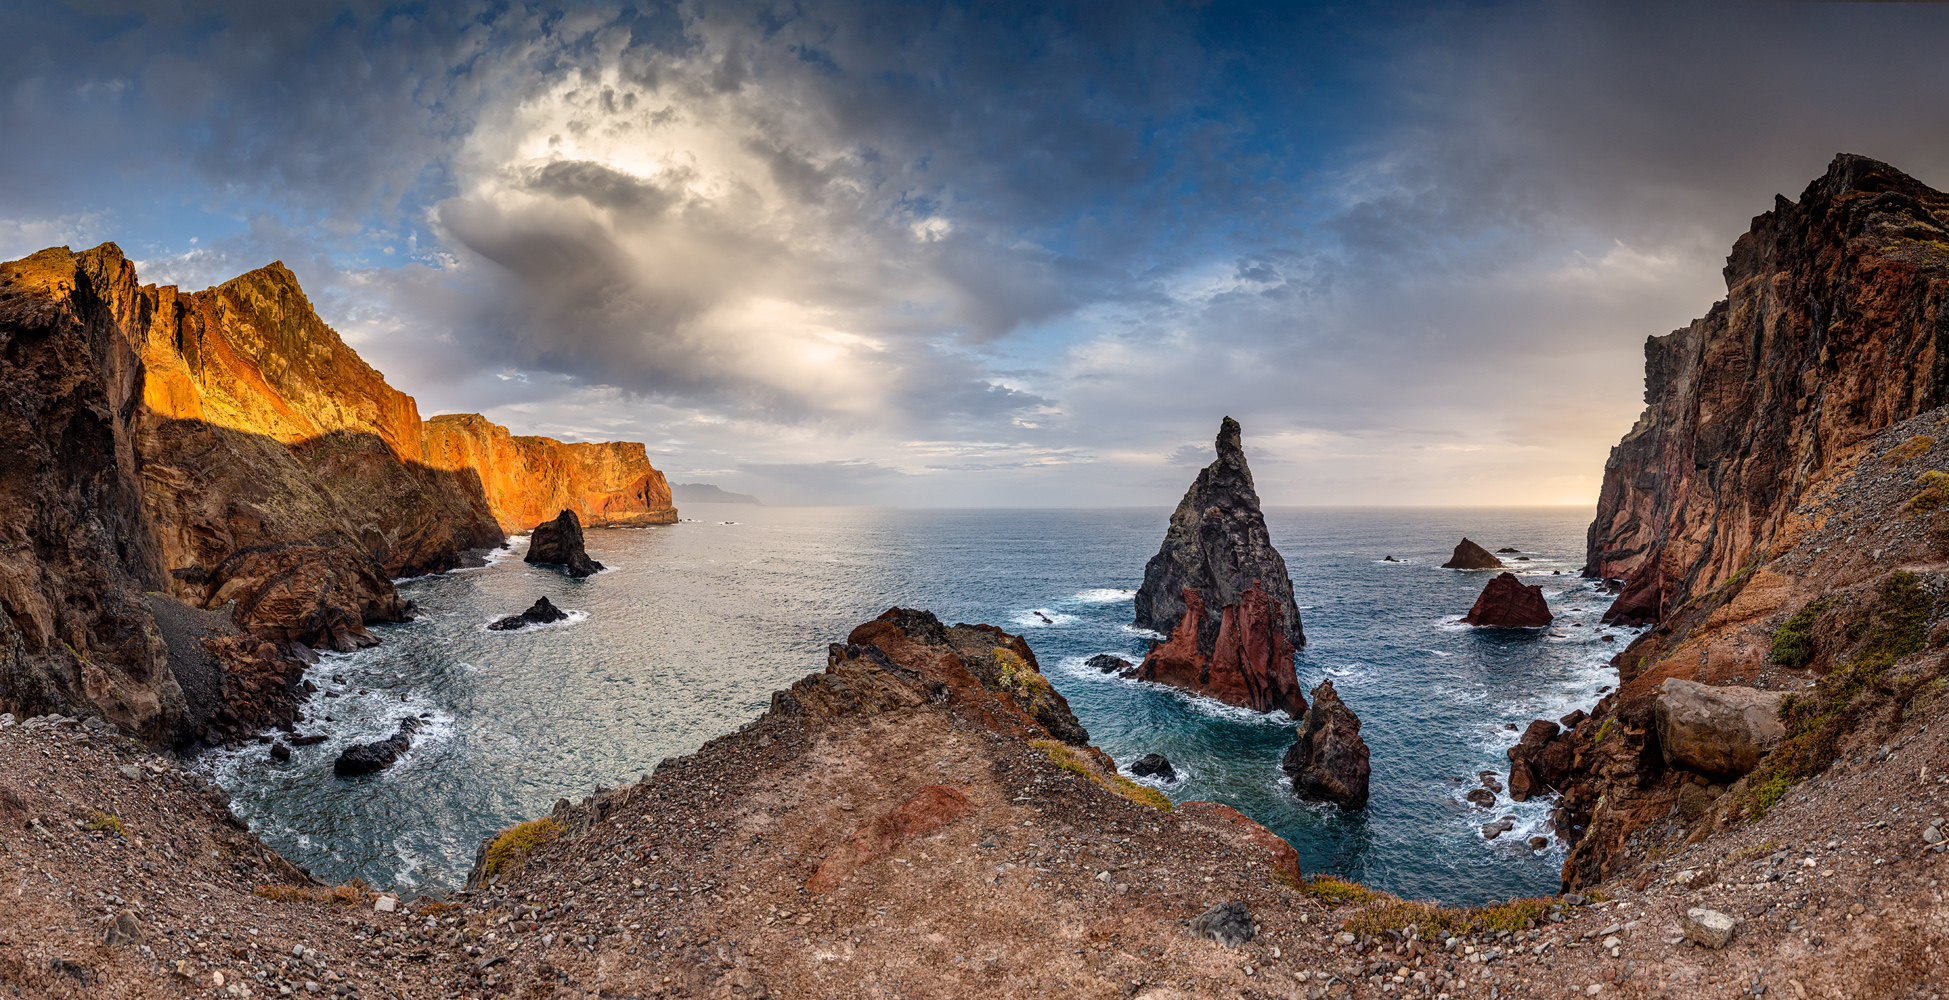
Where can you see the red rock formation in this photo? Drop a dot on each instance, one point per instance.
(1250, 664)
(1507, 603)
(528, 480)
(1469, 555)
(1829, 332)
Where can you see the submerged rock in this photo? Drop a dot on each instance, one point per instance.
(540, 613)
(1108, 664)
(1469, 555)
(1217, 546)
(1153, 764)
(366, 758)
(1507, 603)
(559, 543)
(1328, 759)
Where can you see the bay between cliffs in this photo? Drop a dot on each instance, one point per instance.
(695, 624)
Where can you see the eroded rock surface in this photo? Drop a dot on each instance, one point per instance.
(559, 543)
(1217, 546)
(1247, 663)
(1328, 759)
(1718, 729)
(1507, 603)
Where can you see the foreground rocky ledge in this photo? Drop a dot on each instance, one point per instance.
(881, 832)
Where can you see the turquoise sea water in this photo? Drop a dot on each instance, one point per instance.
(695, 624)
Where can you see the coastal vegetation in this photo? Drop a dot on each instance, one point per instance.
(515, 843)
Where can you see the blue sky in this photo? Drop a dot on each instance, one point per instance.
(1019, 254)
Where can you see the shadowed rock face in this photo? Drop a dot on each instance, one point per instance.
(1469, 555)
(1328, 759)
(1507, 603)
(541, 612)
(559, 543)
(1830, 331)
(1217, 545)
(1248, 664)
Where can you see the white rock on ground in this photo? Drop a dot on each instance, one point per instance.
(1709, 928)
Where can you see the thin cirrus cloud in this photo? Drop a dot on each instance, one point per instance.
(978, 253)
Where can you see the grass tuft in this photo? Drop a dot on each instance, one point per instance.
(1912, 448)
(1067, 758)
(514, 843)
(102, 822)
(1935, 492)
(1793, 642)
(1512, 915)
(1336, 891)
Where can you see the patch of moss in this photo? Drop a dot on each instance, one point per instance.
(1911, 449)
(1793, 641)
(1069, 759)
(1512, 915)
(1604, 730)
(1018, 676)
(515, 842)
(1335, 891)
(102, 822)
(1935, 492)
(1895, 627)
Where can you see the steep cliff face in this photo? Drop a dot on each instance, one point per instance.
(77, 551)
(1832, 329)
(528, 480)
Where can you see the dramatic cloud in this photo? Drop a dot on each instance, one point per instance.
(963, 254)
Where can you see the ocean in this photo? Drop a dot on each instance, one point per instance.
(693, 626)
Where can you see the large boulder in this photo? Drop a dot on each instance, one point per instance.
(1218, 546)
(1328, 759)
(1718, 730)
(1507, 603)
(1469, 555)
(1541, 761)
(559, 543)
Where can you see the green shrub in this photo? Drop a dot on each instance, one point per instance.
(1793, 642)
(515, 842)
(1067, 758)
(1335, 891)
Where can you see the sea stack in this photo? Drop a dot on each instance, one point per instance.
(1328, 759)
(1220, 591)
(1469, 555)
(559, 543)
(1507, 603)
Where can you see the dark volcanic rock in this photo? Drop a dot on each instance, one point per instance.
(1469, 555)
(1153, 764)
(1229, 924)
(1217, 545)
(1507, 603)
(1507, 549)
(1249, 663)
(1542, 760)
(305, 741)
(559, 543)
(1328, 759)
(1108, 664)
(280, 752)
(541, 613)
(366, 758)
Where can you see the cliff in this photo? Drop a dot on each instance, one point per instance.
(1778, 513)
(226, 445)
(1830, 331)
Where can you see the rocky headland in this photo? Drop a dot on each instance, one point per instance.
(225, 449)
(1219, 590)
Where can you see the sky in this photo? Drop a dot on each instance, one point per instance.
(981, 254)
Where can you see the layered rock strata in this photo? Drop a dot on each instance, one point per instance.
(1328, 761)
(225, 447)
(559, 543)
(1830, 331)
(1220, 591)
(1507, 603)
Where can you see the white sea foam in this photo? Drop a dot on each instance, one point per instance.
(1144, 632)
(1103, 595)
(574, 618)
(1041, 618)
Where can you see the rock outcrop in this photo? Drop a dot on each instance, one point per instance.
(541, 612)
(226, 446)
(527, 480)
(1328, 759)
(1540, 763)
(1154, 765)
(1218, 546)
(1507, 603)
(1829, 332)
(365, 758)
(1220, 591)
(559, 543)
(1722, 730)
(1469, 555)
(1247, 662)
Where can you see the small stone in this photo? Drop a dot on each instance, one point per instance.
(385, 904)
(311, 986)
(1708, 928)
(1932, 835)
(1612, 941)
(1573, 899)
(1103, 876)
(124, 929)
(131, 772)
